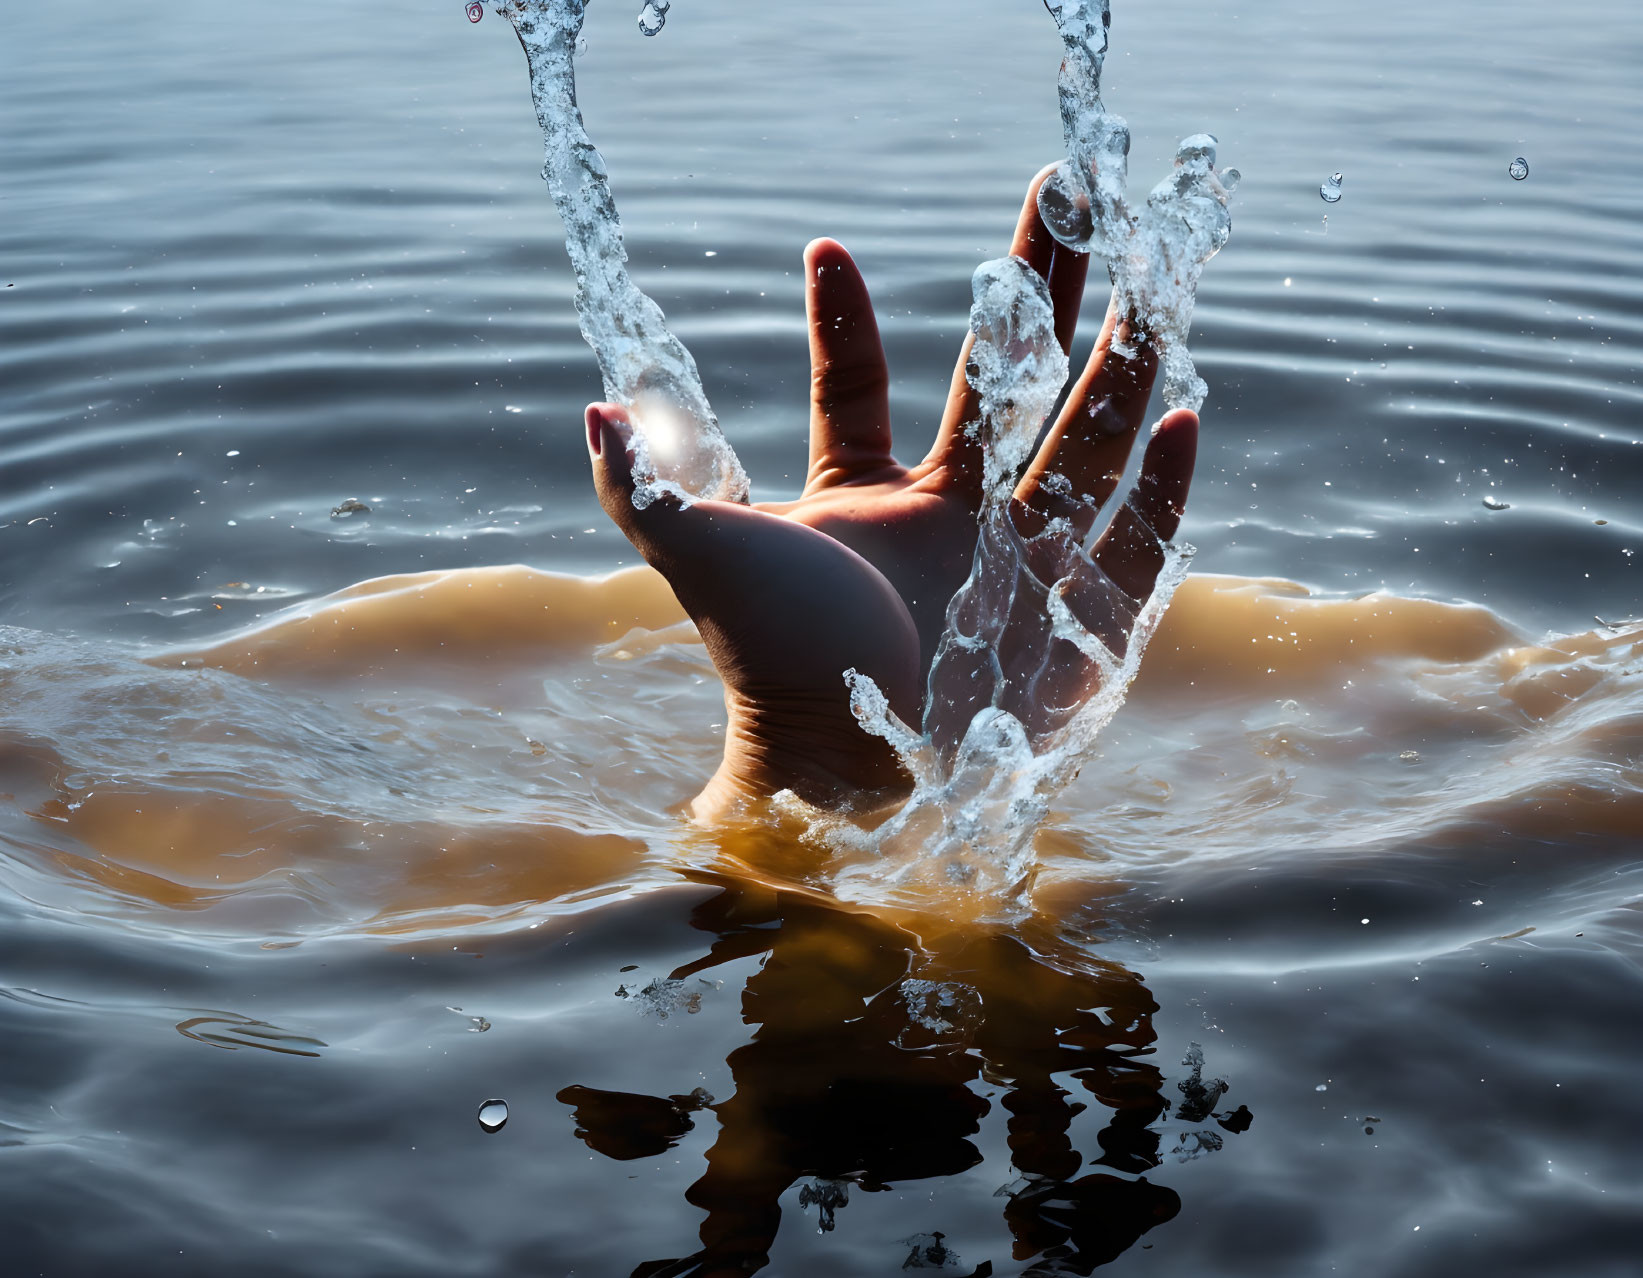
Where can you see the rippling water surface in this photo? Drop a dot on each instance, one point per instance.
(286, 895)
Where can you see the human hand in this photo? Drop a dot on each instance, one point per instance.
(858, 571)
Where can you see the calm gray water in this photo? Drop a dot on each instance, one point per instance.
(256, 260)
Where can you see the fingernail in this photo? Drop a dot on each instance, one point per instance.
(595, 420)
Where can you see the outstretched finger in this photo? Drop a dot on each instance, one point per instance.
(1089, 445)
(1131, 551)
(1064, 270)
(849, 382)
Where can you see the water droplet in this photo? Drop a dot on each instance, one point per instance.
(653, 17)
(493, 1115)
(1408, 756)
(1199, 148)
(1066, 208)
(1495, 503)
(581, 45)
(1518, 168)
(476, 11)
(1321, 1087)
(1331, 189)
(1230, 179)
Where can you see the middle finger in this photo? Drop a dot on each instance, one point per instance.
(1083, 456)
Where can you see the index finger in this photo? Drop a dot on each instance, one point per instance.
(1064, 270)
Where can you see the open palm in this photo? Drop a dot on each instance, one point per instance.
(858, 570)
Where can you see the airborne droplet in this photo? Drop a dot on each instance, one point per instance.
(1330, 191)
(476, 11)
(1518, 168)
(493, 1115)
(653, 17)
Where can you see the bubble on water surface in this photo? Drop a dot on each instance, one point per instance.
(662, 996)
(353, 506)
(939, 1012)
(493, 1114)
(1518, 168)
(1330, 191)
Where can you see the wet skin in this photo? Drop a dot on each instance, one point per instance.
(857, 572)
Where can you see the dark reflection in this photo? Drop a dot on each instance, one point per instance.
(624, 1126)
(867, 1067)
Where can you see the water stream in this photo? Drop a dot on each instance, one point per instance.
(679, 449)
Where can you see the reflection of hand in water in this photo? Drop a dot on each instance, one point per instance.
(859, 570)
(842, 1083)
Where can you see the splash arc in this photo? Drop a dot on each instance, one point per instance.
(679, 450)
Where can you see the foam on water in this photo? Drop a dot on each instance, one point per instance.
(678, 446)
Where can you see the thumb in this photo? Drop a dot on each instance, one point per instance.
(610, 449)
(691, 545)
(611, 452)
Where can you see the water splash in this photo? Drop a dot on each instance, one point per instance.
(1155, 257)
(678, 447)
(946, 1013)
(661, 997)
(1040, 645)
